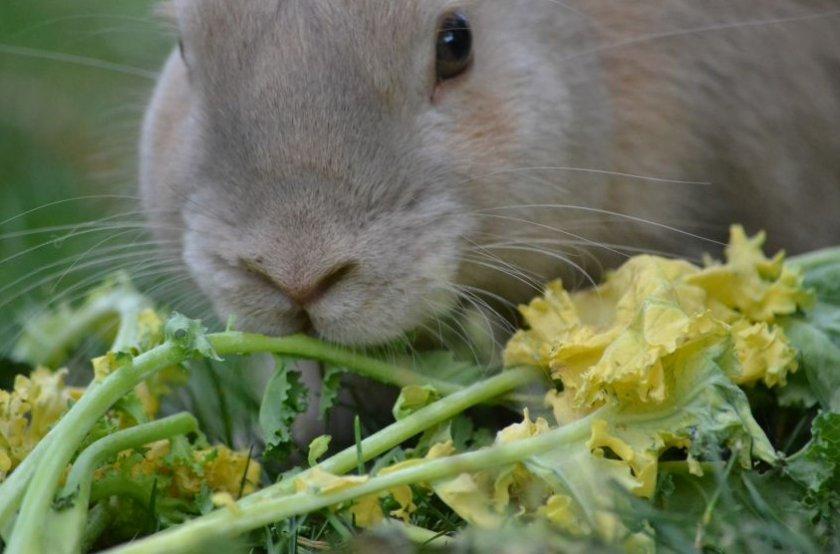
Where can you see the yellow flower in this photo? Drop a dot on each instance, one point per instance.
(471, 496)
(28, 412)
(524, 430)
(613, 341)
(764, 353)
(560, 511)
(319, 481)
(226, 468)
(219, 468)
(756, 287)
(366, 510)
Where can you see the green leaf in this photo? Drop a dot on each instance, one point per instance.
(131, 405)
(817, 332)
(797, 392)
(817, 466)
(190, 335)
(285, 398)
(704, 411)
(413, 398)
(318, 448)
(820, 359)
(728, 509)
(330, 388)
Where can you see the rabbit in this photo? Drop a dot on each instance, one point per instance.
(357, 170)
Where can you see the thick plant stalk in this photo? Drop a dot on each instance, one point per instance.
(397, 433)
(66, 527)
(70, 431)
(228, 523)
(125, 305)
(302, 346)
(27, 534)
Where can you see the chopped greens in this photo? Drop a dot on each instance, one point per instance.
(668, 400)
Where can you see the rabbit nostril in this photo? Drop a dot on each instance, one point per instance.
(304, 293)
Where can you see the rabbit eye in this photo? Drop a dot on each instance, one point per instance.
(454, 46)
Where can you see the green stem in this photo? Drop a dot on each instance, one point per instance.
(301, 346)
(127, 305)
(397, 433)
(75, 425)
(99, 519)
(72, 429)
(66, 526)
(229, 523)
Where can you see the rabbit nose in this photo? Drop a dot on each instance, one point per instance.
(305, 292)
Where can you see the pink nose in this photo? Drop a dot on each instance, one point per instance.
(305, 292)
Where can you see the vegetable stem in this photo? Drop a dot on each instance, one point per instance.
(66, 526)
(45, 468)
(227, 523)
(302, 346)
(397, 433)
(127, 305)
(72, 429)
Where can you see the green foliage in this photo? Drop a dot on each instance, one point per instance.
(317, 448)
(285, 398)
(816, 333)
(716, 482)
(817, 467)
(330, 387)
(191, 336)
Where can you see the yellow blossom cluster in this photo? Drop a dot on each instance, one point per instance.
(615, 340)
(219, 469)
(29, 411)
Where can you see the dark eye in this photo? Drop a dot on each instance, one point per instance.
(454, 46)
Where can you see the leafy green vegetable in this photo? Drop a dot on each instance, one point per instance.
(331, 386)
(816, 332)
(412, 398)
(443, 365)
(653, 443)
(285, 398)
(317, 448)
(817, 466)
(191, 336)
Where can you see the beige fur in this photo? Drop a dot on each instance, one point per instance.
(309, 133)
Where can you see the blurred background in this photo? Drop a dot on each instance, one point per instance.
(74, 80)
(75, 77)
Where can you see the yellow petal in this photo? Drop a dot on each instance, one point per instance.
(470, 499)
(366, 511)
(319, 481)
(559, 510)
(524, 430)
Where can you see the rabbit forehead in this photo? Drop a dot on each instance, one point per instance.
(383, 19)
